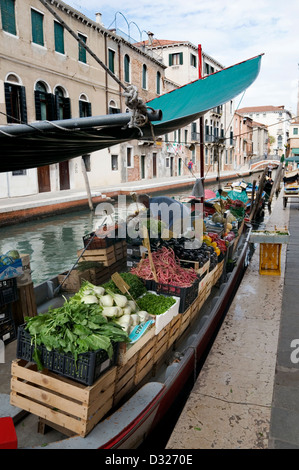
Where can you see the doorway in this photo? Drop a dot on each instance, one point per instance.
(142, 166)
(171, 166)
(180, 167)
(64, 175)
(43, 178)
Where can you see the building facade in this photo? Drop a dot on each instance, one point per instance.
(277, 118)
(292, 147)
(46, 74)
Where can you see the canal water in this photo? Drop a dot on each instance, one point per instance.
(52, 242)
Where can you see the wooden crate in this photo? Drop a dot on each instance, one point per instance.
(107, 256)
(127, 351)
(125, 378)
(75, 279)
(195, 266)
(63, 402)
(186, 317)
(145, 360)
(174, 329)
(161, 345)
(25, 306)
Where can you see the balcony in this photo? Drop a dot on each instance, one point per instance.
(195, 136)
(217, 111)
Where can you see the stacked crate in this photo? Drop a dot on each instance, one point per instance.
(8, 294)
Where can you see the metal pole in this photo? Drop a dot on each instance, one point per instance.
(201, 127)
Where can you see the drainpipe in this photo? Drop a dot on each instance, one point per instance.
(201, 126)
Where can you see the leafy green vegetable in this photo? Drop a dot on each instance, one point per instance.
(155, 304)
(74, 328)
(137, 288)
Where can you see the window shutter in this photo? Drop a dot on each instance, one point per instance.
(7, 92)
(23, 103)
(38, 112)
(82, 50)
(59, 37)
(67, 108)
(37, 27)
(8, 16)
(181, 58)
(170, 59)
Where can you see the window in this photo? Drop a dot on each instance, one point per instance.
(167, 162)
(176, 59)
(59, 37)
(111, 58)
(84, 106)
(144, 77)
(19, 173)
(44, 103)
(114, 162)
(186, 136)
(8, 16)
(295, 131)
(158, 84)
(207, 68)
(15, 100)
(112, 108)
(206, 156)
(82, 50)
(63, 104)
(129, 157)
(193, 60)
(37, 27)
(127, 68)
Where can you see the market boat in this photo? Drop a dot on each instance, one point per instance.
(135, 393)
(128, 400)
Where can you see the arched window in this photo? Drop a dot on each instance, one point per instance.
(127, 68)
(144, 77)
(113, 109)
(44, 102)
(84, 106)
(63, 104)
(15, 99)
(158, 85)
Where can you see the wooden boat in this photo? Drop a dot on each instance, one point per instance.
(163, 363)
(165, 360)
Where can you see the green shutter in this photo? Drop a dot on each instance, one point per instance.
(82, 50)
(111, 60)
(127, 68)
(170, 60)
(8, 16)
(59, 37)
(181, 58)
(37, 27)
(158, 83)
(144, 77)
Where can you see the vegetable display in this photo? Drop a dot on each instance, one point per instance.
(74, 328)
(168, 269)
(137, 288)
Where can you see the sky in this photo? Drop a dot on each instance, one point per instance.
(230, 31)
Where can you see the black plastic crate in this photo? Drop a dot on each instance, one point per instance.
(7, 331)
(87, 369)
(5, 313)
(8, 291)
(187, 295)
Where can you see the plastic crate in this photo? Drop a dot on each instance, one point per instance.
(5, 313)
(270, 259)
(7, 331)
(8, 291)
(187, 295)
(87, 369)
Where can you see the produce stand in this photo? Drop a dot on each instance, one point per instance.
(270, 249)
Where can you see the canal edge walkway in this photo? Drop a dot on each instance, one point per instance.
(246, 395)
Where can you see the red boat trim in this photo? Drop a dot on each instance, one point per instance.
(136, 423)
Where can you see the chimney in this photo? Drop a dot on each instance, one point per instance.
(150, 38)
(99, 19)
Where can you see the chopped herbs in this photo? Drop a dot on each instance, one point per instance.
(155, 304)
(137, 288)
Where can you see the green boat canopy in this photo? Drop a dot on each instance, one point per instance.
(46, 142)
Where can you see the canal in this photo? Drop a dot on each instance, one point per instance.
(52, 242)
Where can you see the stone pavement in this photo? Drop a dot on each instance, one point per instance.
(247, 393)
